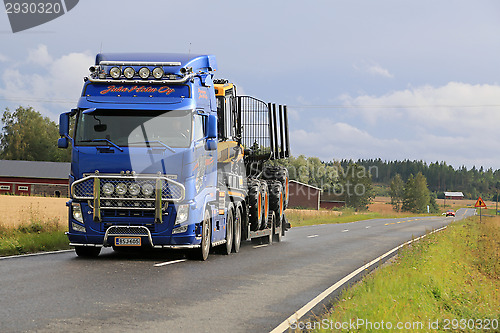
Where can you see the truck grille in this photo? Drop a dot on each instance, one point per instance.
(127, 231)
(123, 196)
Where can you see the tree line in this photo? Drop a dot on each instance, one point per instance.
(440, 176)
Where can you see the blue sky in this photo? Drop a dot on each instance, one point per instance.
(363, 79)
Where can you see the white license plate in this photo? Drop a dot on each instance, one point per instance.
(127, 241)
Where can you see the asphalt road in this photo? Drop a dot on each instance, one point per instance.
(252, 291)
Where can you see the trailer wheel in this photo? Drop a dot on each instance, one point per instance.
(237, 231)
(270, 221)
(87, 251)
(276, 200)
(254, 204)
(265, 204)
(281, 174)
(229, 233)
(278, 236)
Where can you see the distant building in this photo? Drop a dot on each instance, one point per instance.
(34, 178)
(453, 195)
(303, 195)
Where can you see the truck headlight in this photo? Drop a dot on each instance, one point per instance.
(108, 189)
(182, 213)
(144, 72)
(147, 189)
(129, 72)
(115, 72)
(77, 211)
(158, 73)
(121, 189)
(134, 189)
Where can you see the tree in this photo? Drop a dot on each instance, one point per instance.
(416, 196)
(29, 136)
(397, 192)
(356, 184)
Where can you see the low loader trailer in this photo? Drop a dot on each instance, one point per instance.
(165, 156)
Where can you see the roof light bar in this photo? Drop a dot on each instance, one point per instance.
(139, 63)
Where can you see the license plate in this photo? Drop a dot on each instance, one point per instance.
(127, 241)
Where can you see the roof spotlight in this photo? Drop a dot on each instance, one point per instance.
(158, 73)
(144, 72)
(115, 72)
(129, 72)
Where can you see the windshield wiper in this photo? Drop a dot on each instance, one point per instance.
(156, 141)
(104, 140)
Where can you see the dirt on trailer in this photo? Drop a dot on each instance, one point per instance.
(17, 210)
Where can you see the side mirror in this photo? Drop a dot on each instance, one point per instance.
(211, 144)
(64, 124)
(62, 142)
(212, 127)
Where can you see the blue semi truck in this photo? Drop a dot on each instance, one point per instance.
(165, 156)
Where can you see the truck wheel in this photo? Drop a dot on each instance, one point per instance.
(281, 174)
(265, 204)
(237, 231)
(270, 221)
(276, 200)
(87, 251)
(228, 247)
(254, 204)
(206, 239)
(277, 236)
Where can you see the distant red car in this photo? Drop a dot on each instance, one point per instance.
(450, 212)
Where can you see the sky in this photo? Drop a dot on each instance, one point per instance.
(362, 79)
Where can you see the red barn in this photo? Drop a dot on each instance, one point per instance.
(303, 195)
(34, 178)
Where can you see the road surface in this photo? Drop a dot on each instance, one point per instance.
(252, 291)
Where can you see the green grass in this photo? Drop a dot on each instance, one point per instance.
(34, 236)
(443, 279)
(299, 218)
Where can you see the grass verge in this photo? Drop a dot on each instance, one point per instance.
(448, 281)
(299, 218)
(33, 236)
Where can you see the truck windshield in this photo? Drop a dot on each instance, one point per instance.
(135, 128)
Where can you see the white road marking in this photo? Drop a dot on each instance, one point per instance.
(35, 254)
(312, 236)
(169, 262)
(306, 308)
(257, 246)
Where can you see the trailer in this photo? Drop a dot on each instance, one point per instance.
(164, 156)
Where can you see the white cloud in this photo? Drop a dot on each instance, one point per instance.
(373, 68)
(3, 58)
(457, 123)
(39, 56)
(51, 87)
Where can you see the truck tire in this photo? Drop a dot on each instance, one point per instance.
(254, 204)
(206, 240)
(87, 251)
(265, 204)
(281, 174)
(228, 247)
(276, 200)
(237, 231)
(271, 220)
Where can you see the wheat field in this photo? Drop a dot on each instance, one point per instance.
(17, 210)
